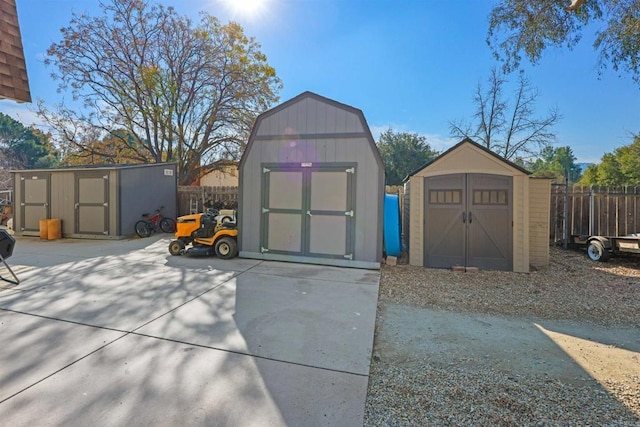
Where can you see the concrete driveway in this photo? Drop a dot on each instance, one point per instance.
(121, 333)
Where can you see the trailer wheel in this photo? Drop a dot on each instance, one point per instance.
(597, 251)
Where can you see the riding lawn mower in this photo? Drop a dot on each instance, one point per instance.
(205, 234)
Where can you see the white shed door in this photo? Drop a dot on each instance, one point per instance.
(34, 201)
(308, 211)
(92, 202)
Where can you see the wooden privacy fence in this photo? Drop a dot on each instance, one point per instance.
(193, 199)
(602, 211)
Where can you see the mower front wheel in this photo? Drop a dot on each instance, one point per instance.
(226, 248)
(176, 247)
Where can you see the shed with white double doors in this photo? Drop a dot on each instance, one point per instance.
(95, 202)
(312, 186)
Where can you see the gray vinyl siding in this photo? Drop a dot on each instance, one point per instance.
(313, 131)
(310, 116)
(144, 190)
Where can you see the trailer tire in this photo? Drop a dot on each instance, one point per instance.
(597, 252)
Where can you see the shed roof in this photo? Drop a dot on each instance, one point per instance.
(14, 83)
(319, 98)
(94, 167)
(468, 141)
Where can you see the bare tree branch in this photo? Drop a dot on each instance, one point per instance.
(158, 86)
(510, 129)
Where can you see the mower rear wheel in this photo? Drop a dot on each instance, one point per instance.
(176, 247)
(226, 248)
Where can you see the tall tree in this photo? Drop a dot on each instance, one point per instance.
(554, 162)
(23, 147)
(622, 167)
(180, 91)
(508, 127)
(402, 153)
(527, 28)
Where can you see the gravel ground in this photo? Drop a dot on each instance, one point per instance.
(434, 391)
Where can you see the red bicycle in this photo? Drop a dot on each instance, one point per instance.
(152, 223)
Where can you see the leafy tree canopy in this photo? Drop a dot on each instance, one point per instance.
(525, 28)
(554, 162)
(402, 153)
(158, 86)
(25, 147)
(620, 168)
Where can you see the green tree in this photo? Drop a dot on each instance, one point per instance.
(589, 176)
(527, 28)
(554, 162)
(186, 92)
(508, 127)
(622, 167)
(402, 153)
(25, 147)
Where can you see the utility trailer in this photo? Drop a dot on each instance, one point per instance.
(600, 248)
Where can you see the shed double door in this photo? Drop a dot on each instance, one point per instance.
(308, 210)
(468, 221)
(92, 203)
(35, 200)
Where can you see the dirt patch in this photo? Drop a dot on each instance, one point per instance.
(555, 346)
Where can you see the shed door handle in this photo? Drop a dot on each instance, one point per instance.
(464, 217)
(470, 218)
(309, 213)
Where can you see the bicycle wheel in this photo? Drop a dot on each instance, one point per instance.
(168, 225)
(143, 229)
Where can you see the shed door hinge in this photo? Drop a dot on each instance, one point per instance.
(263, 250)
(265, 170)
(105, 176)
(265, 210)
(349, 213)
(105, 204)
(349, 256)
(351, 170)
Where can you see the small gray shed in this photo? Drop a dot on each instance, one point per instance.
(312, 186)
(102, 202)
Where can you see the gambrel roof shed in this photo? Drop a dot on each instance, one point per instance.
(312, 186)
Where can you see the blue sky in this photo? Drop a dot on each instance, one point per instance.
(411, 65)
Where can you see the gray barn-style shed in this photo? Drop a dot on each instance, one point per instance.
(312, 186)
(93, 202)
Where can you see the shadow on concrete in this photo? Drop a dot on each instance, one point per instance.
(140, 337)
